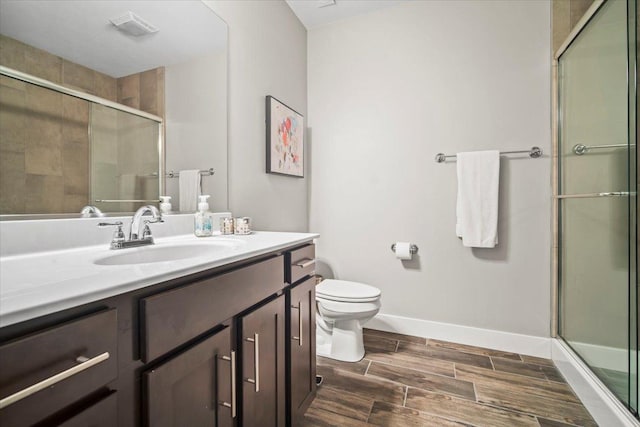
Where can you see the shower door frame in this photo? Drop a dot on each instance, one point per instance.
(555, 205)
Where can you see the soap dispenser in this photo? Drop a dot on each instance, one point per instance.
(165, 204)
(203, 218)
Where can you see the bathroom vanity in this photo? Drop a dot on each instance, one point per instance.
(228, 341)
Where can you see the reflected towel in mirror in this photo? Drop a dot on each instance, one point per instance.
(189, 189)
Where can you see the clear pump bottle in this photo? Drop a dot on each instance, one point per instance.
(203, 221)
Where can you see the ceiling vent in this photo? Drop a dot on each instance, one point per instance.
(133, 25)
(325, 3)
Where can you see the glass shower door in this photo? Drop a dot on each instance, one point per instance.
(125, 161)
(597, 222)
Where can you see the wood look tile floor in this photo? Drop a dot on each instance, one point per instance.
(411, 381)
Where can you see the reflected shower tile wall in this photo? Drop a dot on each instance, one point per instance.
(78, 77)
(44, 193)
(46, 131)
(12, 182)
(129, 90)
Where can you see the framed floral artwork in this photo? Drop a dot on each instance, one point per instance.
(285, 139)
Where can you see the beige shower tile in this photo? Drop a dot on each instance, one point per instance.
(75, 109)
(77, 76)
(44, 194)
(76, 168)
(106, 87)
(13, 83)
(75, 126)
(12, 119)
(12, 182)
(43, 102)
(560, 23)
(161, 91)
(43, 64)
(12, 53)
(129, 90)
(41, 159)
(577, 10)
(149, 91)
(74, 203)
(76, 185)
(43, 147)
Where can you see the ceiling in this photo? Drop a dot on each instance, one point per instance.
(314, 13)
(80, 31)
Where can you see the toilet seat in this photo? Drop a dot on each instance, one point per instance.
(341, 308)
(345, 291)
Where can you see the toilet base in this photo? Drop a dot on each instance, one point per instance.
(344, 342)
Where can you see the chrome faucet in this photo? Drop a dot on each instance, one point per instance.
(138, 227)
(139, 232)
(89, 211)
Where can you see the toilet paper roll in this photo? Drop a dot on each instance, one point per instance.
(403, 250)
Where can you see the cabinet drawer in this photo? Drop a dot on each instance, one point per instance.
(66, 362)
(174, 317)
(104, 413)
(301, 263)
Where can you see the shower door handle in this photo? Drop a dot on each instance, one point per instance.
(594, 195)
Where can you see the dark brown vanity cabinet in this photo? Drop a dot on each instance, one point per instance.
(263, 365)
(228, 347)
(301, 331)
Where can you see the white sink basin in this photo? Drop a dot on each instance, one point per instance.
(169, 252)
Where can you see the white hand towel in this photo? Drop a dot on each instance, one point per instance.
(189, 189)
(477, 204)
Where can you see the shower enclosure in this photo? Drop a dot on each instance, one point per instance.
(597, 202)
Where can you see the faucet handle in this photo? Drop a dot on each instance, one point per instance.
(147, 230)
(118, 235)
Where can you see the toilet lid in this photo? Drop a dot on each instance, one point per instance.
(342, 290)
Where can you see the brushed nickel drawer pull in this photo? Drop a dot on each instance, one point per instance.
(299, 337)
(256, 360)
(231, 405)
(32, 389)
(304, 263)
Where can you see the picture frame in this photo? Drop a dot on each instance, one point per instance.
(285, 139)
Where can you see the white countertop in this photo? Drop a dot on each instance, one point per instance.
(32, 285)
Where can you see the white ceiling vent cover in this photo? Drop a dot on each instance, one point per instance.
(132, 24)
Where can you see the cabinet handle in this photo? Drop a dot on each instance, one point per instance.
(299, 337)
(84, 364)
(231, 405)
(256, 360)
(305, 262)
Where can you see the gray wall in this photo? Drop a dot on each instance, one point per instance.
(389, 90)
(267, 56)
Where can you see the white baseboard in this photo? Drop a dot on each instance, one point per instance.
(603, 406)
(497, 340)
(603, 357)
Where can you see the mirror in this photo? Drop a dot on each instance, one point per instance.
(59, 153)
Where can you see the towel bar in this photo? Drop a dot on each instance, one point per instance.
(206, 172)
(534, 153)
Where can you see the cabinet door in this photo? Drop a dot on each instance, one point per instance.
(302, 347)
(194, 388)
(263, 366)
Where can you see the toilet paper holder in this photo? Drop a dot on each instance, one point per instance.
(413, 248)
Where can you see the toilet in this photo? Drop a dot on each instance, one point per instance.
(342, 308)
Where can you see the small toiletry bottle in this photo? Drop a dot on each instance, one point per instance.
(165, 204)
(203, 218)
